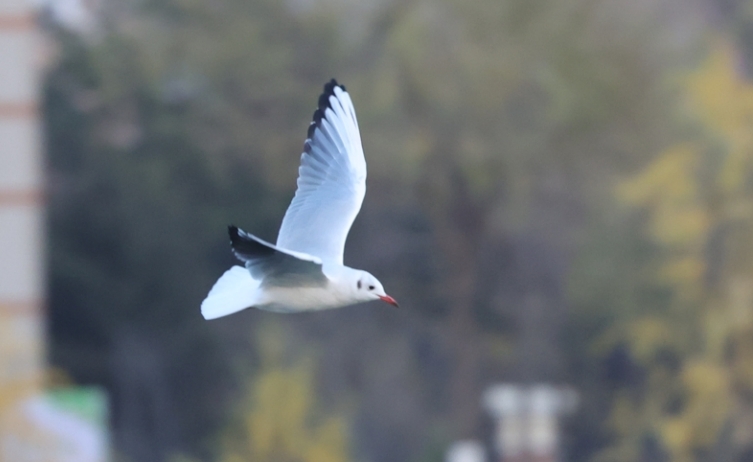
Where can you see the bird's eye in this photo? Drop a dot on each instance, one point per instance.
(359, 284)
(371, 287)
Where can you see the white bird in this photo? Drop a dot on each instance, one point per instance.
(304, 271)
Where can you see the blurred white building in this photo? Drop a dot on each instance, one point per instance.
(21, 203)
(466, 451)
(526, 424)
(35, 425)
(527, 420)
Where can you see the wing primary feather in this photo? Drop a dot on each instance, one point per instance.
(323, 103)
(331, 180)
(317, 118)
(246, 246)
(330, 129)
(329, 90)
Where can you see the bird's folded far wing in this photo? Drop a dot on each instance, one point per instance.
(331, 181)
(273, 266)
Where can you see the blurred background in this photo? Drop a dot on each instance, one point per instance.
(560, 195)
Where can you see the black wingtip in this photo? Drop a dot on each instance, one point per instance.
(322, 104)
(324, 100)
(330, 86)
(316, 119)
(232, 231)
(329, 90)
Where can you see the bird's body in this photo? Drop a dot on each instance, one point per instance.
(281, 299)
(304, 271)
(335, 293)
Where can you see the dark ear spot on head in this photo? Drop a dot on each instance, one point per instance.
(371, 287)
(359, 284)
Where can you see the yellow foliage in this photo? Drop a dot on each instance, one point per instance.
(669, 178)
(679, 198)
(668, 186)
(706, 379)
(708, 406)
(283, 422)
(685, 273)
(647, 335)
(330, 443)
(678, 436)
(680, 225)
(721, 96)
(623, 416)
(723, 100)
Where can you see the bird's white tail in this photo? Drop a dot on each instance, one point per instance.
(236, 290)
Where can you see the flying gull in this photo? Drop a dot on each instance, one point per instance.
(304, 270)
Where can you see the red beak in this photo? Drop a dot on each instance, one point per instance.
(388, 299)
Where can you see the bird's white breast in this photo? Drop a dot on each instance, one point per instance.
(295, 299)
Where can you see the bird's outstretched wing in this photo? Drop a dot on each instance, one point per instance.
(275, 267)
(331, 181)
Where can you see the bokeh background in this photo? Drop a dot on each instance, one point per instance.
(560, 194)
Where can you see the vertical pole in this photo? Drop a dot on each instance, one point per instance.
(21, 220)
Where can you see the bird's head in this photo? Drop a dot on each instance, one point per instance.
(366, 287)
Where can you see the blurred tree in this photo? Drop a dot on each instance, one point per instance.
(693, 344)
(160, 134)
(500, 107)
(493, 131)
(280, 420)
